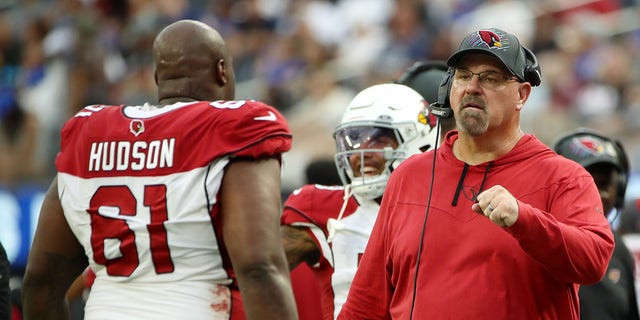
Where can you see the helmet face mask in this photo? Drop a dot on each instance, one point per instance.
(365, 157)
(382, 126)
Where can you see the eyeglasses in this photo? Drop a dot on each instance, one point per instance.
(488, 79)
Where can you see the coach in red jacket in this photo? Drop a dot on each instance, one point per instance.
(491, 225)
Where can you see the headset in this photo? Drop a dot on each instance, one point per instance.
(442, 107)
(532, 73)
(622, 161)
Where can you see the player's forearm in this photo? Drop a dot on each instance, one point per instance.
(48, 312)
(267, 294)
(42, 302)
(45, 283)
(298, 246)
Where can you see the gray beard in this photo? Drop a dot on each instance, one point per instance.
(472, 123)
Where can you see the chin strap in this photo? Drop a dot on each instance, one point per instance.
(333, 225)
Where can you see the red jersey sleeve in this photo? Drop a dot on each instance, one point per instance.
(310, 207)
(315, 204)
(252, 130)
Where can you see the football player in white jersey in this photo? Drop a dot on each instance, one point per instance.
(175, 207)
(328, 226)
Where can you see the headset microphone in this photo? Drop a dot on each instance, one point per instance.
(442, 107)
(440, 112)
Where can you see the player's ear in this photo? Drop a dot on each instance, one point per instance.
(221, 73)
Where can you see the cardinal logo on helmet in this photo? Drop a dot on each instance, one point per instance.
(426, 117)
(588, 146)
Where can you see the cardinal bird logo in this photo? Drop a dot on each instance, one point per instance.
(136, 127)
(491, 38)
(587, 147)
(426, 117)
(593, 145)
(596, 147)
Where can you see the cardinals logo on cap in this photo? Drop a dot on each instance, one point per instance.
(136, 127)
(491, 38)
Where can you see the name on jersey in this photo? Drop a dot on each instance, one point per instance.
(127, 155)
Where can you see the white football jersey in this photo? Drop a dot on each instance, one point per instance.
(139, 187)
(311, 207)
(348, 245)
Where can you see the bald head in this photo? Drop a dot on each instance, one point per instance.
(192, 63)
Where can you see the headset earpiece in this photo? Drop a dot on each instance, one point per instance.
(442, 107)
(532, 73)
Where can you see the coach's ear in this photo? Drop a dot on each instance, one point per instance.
(524, 91)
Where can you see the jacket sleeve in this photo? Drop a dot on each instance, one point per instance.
(573, 240)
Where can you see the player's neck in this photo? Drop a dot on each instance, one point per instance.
(172, 100)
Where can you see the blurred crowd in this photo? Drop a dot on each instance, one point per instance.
(308, 58)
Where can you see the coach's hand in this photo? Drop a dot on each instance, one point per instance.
(498, 205)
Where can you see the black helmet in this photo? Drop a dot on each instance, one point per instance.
(588, 147)
(424, 77)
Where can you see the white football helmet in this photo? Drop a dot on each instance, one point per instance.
(375, 120)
